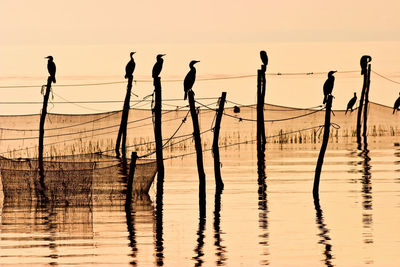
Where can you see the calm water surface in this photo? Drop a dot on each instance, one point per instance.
(354, 223)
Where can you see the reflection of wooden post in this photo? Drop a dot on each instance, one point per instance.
(41, 126)
(360, 108)
(366, 102)
(323, 146)
(124, 121)
(199, 151)
(215, 149)
(131, 175)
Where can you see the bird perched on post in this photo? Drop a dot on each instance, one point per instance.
(264, 58)
(190, 78)
(364, 63)
(130, 67)
(351, 103)
(158, 66)
(328, 85)
(51, 67)
(396, 104)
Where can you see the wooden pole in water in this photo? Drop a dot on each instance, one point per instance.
(360, 108)
(215, 149)
(323, 146)
(366, 102)
(41, 124)
(199, 151)
(131, 175)
(122, 132)
(158, 134)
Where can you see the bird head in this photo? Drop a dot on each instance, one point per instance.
(193, 62)
(131, 54)
(355, 94)
(159, 56)
(331, 73)
(49, 58)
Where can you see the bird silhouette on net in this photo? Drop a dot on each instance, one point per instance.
(51, 67)
(351, 103)
(130, 67)
(190, 78)
(396, 104)
(158, 66)
(364, 63)
(264, 59)
(328, 85)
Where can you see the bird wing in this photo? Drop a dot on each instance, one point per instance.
(189, 80)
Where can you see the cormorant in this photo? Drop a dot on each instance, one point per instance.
(190, 78)
(396, 104)
(130, 67)
(364, 63)
(351, 104)
(328, 85)
(51, 67)
(158, 66)
(264, 57)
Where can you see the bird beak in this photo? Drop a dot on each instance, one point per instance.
(334, 71)
(197, 61)
(163, 55)
(47, 57)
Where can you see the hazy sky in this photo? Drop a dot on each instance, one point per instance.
(119, 21)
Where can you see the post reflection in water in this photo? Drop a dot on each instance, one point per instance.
(367, 218)
(263, 207)
(159, 246)
(200, 235)
(324, 233)
(220, 249)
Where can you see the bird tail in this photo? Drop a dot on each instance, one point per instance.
(394, 110)
(53, 79)
(323, 102)
(126, 76)
(346, 111)
(363, 71)
(185, 96)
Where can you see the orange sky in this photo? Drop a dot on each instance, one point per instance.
(98, 22)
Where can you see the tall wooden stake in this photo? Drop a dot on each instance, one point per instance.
(261, 139)
(158, 133)
(360, 108)
(366, 102)
(131, 175)
(323, 146)
(215, 149)
(199, 152)
(124, 121)
(41, 127)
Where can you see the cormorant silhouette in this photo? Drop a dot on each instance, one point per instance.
(158, 66)
(351, 103)
(51, 67)
(264, 57)
(364, 63)
(130, 67)
(396, 104)
(190, 78)
(328, 85)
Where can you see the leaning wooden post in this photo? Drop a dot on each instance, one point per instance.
(199, 151)
(158, 134)
(131, 175)
(215, 149)
(323, 146)
(360, 108)
(122, 132)
(41, 125)
(366, 102)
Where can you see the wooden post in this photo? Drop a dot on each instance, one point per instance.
(199, 152)
(158, 133)
(130, 179)
(366, 102)
(41, 127)
(360, 108)
(215, 149)
(124, 121)
(323, 146)
(261, 139)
